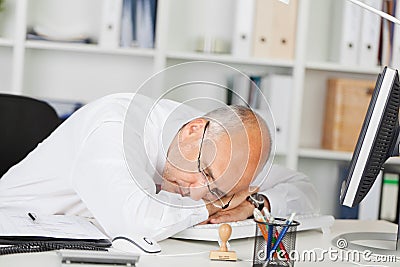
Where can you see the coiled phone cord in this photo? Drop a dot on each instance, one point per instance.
(41, 246)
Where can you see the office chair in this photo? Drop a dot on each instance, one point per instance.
(25, 122)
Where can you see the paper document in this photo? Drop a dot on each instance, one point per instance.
(56, 226)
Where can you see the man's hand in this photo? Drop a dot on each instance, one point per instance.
(240, 198)
(239, 208)
(239, 213)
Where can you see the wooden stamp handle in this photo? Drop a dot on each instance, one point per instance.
(225, 231)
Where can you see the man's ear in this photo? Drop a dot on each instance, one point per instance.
(193, 129)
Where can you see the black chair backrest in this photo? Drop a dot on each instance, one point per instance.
(25, 122)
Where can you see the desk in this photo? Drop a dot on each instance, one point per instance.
(198, 251)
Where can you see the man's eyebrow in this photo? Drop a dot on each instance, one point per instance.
(212, 177)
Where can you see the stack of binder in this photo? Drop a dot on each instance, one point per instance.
(369, 35)
(362, 38)
(345, 32)
(274, 29)
(267, 29)
(396, 42)
(128, 23)
(264, 29)
(390, 36)
(243, 29)
(346, 104)
(273, 90)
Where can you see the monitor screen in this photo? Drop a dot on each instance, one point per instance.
(377, 141)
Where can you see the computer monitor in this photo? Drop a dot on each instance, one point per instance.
(377, 142)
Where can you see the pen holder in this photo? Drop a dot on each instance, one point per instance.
(266, 239)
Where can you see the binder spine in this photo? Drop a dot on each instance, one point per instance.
(243, 30)
(111, 23)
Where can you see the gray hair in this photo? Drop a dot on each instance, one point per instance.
(231, 119)
(235, 119)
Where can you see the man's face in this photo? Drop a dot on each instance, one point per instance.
(225, 165)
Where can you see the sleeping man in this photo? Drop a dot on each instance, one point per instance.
(155, 173)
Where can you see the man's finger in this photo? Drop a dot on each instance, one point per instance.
(222, 217)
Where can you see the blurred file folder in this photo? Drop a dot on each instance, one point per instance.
(396, 41)
(387, 32)
(346, 103)
(242, 43)
(146, 23)
(246, 90)
(346, 26)
(128, 22)
(273, 90)
(369, 35)
(64, 108)
(111, 23)
(254, 93)
(275, 29)
(389, 196)
(278, 89)
(138, 23)
(240, 90)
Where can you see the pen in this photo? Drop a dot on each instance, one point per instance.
(270, 233)
(258, 216)
(271, 219)
(281, 235)
(32, 216)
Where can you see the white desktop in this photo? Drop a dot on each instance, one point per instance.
(194, 253)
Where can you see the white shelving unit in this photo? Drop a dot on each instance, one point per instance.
(85, 72)
(88, 48)
(228, 59)
(334, 67)
(6, 42)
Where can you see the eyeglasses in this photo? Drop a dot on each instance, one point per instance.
(214, 192)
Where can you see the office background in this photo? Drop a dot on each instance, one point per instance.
(91, 55)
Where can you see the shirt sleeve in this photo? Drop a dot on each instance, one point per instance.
(288, 191)
(123, 205)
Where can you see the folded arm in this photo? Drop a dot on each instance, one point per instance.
(124, 203)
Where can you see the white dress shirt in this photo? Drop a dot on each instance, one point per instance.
(81, 169)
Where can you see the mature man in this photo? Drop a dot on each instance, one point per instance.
(107, 160)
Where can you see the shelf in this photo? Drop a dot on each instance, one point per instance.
(89, 48)
(329, 66)
(324, 154)
(226, 58)
(335, 155)
(6, 42)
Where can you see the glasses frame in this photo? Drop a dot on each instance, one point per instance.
(205, 175)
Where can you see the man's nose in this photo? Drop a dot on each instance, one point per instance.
(198, 191)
